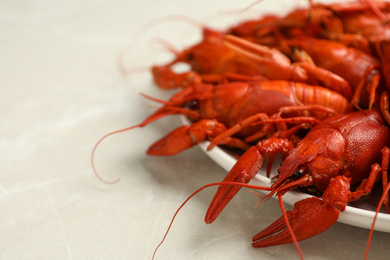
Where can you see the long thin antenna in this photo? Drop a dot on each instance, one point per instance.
(385, 193)
(196, 192)
(97, 144)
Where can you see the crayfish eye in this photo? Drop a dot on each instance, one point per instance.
(190, 56)
(192, 104)
(299, 172)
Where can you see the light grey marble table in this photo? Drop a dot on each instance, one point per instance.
(61, 90)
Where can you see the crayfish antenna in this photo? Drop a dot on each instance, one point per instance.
(95, 147)
(162, 112)
(129, 71)
(242, 10)
(137, 35)
(376, 10)
(385, 193)
(196, 192)
(288, 226)
(155, 99)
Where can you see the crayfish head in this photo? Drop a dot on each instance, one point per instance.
(184, 102)
(292, 183)
(187, 101)
(319, 155)
(208, 56)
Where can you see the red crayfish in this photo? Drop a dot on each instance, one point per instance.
(341, 158)
(216, 108)
(257, 84)
(220, 58)
(342, 145)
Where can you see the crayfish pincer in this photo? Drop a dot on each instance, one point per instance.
(340, 158)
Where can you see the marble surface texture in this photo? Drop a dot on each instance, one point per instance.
(61, 90)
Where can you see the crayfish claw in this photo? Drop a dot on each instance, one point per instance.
(275, 234)
(243, 171)
(309, 217)
(185, 137)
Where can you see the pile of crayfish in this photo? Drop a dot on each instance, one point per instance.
(310, 87)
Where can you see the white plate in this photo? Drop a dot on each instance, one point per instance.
(354, 216)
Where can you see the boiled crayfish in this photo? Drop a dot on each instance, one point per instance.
(342, 145)
(341, 158)
(256, 85)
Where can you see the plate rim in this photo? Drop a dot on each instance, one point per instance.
(351, 215)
